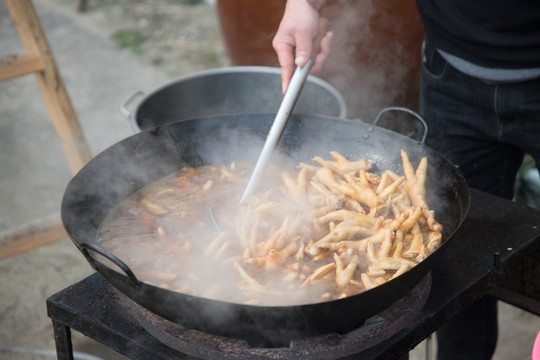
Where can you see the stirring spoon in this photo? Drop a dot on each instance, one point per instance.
(284, 112)
(296, 84)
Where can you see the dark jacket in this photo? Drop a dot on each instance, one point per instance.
(492, 33)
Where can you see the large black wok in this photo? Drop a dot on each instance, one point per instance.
(150, 155)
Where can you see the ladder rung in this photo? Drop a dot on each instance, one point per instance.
(30, 235)
(20, 64)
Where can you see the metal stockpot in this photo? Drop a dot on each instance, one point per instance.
(229, 90)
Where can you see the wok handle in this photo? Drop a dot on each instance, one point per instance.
(126, 112)
(122, 265)
(408, 111)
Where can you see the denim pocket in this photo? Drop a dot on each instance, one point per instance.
(432, 61)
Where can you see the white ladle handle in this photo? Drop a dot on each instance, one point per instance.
(284, 112)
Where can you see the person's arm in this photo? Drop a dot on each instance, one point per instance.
(293, 41)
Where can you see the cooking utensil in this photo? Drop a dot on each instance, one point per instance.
(284, 112)
(286, 107)
(227, 90)
(138, 160)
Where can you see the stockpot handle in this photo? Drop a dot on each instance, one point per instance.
(124, 108)
(408, 111)
(122, 265)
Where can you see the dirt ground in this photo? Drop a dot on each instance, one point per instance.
(105, 54)
(100, 69)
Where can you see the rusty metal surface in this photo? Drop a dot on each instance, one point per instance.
(329, 346)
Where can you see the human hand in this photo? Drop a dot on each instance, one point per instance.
(294, 39)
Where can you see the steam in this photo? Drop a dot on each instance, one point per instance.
(375, 54)
(380, 79)
(150, 155)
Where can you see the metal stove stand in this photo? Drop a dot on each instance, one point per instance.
(492, 253)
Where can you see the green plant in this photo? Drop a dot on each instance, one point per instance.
(131, 39)
(188, 2)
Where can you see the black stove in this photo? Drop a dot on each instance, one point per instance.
(492, 253)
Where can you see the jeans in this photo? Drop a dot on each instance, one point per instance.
(485, 129)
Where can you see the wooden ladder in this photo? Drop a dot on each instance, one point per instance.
(37, 57)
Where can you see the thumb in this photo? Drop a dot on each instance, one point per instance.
(303, 48)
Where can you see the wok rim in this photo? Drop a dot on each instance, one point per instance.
(464, 197)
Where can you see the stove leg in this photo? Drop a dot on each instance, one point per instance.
(62, 338)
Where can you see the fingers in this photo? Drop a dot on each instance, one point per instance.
(285, 46)
(326, 44)
(293, 40)
(292, 49)
(303, 53)
(286, 74)
(284, 50)
(304, 39)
